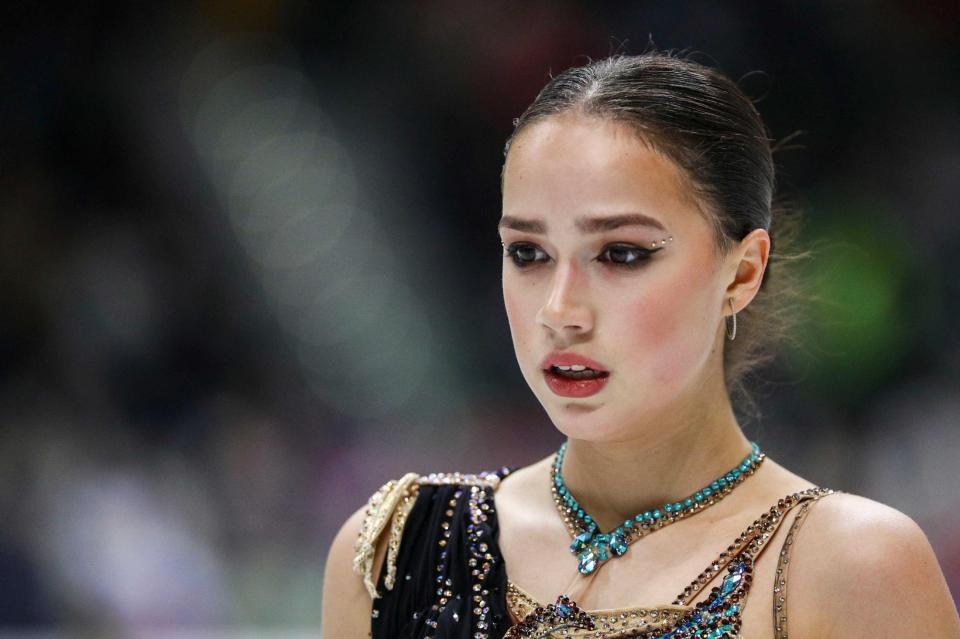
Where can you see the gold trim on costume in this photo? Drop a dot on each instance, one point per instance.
(489, 479)
(390, 504)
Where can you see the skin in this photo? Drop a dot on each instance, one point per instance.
(663, 426)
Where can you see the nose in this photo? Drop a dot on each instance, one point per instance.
(564, 309)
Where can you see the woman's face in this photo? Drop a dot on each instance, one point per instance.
(652, 320)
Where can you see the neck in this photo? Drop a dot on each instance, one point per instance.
(614, 481)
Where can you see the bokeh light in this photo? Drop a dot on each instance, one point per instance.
(249, 272)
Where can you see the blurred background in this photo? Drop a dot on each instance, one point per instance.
(250, 272)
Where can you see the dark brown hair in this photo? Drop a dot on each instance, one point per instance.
(702, 121)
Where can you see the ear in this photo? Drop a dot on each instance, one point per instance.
(747, 263)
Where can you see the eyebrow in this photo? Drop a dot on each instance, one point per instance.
(584, 224)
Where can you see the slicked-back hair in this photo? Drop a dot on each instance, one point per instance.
(702, 121)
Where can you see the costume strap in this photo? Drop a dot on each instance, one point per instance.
(780, 580)
(752, 540)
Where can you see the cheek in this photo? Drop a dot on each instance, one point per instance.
(669, 331)
(521, 311)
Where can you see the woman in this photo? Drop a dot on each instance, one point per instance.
(638, 236)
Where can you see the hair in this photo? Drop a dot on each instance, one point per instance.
(702, 121)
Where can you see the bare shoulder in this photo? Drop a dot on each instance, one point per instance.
(522, 498)
(346, 605)
(356, 556)
(523, 481)
(860, 568)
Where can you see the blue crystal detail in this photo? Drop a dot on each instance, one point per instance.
(580, 541)
(593, 547)
(719, 632)
(618, 545)
(729, 583)
(588, 561)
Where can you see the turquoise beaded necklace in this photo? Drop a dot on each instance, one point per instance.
(593, 548)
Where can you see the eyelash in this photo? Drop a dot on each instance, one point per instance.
(642, 255)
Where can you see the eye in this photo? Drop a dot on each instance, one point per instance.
(524, 255)
(626, 255)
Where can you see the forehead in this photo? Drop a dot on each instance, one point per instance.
(567, 166)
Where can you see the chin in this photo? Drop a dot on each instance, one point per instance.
(583, 431)
(585, 420)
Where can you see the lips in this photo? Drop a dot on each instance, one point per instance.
(568, 387)
(558, 358)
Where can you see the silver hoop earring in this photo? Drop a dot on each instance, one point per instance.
(732, 334)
